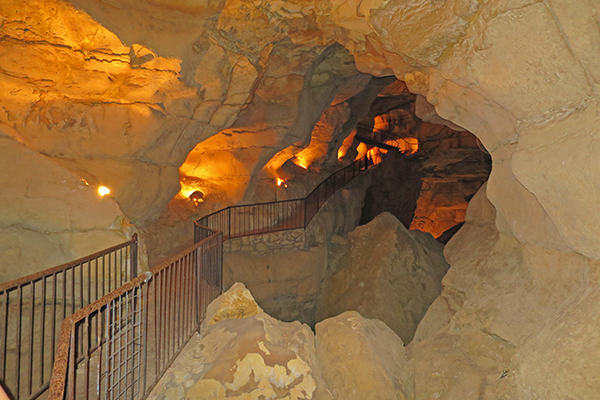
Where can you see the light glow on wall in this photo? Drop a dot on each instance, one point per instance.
(103, 191)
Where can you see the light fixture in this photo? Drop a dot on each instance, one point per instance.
(103, 190)
(197, 197)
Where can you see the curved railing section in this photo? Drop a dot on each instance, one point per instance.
(256, 219)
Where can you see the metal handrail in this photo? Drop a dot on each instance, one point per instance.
(103, 348)
(33, 307)
(254, 219)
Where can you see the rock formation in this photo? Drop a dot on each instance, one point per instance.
(387, 273)
(478, 338)
(362, 359)
(447, 170)
(245, 354)
(48, 216)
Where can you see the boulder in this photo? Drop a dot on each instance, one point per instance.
(248, 354)
(236, 303)
(362, 359)
(388, 273)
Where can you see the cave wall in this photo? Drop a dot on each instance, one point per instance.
(49, 216)
(521, 75)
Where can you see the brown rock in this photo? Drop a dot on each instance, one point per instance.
(248, 354)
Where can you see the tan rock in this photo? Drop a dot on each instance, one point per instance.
(257, 356)
(235, 303)
(427, 113)
(389, 274)
(497, 297)
(362, 359)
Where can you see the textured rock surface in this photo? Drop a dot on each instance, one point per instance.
(236, 303)
(249, 355)
(521, 75)
(362, 359)
(506, 319)
(388, 273)
(49, 216)
(477, 70)
(454, 168)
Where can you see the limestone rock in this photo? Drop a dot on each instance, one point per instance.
(486, 335)
(235, 303)
(48, 216)
(389, 274)
(563, 360)
(362, 359)
(114, 115)
(427, 113)
(248, 355)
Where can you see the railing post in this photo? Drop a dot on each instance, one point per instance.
(305, 201)
(229, 222)
(146, 302)
(134, 257)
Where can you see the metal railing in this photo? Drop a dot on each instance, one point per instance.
(255, 219)
(119, 346)
(33, 307)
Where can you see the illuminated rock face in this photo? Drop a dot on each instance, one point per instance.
(479, 73)
(447, 170)
(473, 67)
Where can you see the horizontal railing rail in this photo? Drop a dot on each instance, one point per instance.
(33, 307)
(255, 219)
(120, 346)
